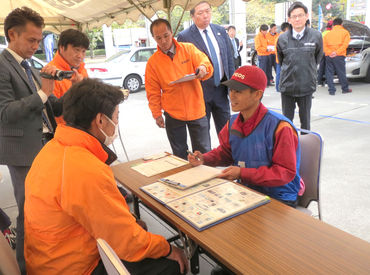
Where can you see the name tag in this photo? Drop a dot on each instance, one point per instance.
(309, 44)
(241, 164)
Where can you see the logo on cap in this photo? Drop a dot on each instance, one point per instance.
(239, 75)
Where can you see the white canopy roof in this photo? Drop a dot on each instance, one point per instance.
(63, 14)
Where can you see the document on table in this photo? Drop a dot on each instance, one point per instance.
(154, 167)
(185, 78)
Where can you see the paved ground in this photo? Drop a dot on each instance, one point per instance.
(342, 120)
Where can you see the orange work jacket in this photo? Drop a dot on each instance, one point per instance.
(182, 101)
(271, 41)
(61, 87)
(260, 43)
(336, 40)
(71, 199)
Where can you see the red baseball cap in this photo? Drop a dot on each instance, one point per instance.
(247, 77)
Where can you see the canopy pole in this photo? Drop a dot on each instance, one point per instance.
(182, 15)
(140, 10)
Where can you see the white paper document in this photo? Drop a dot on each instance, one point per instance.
(185, 78)
(154, 167)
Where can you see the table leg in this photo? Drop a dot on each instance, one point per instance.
(194, 262)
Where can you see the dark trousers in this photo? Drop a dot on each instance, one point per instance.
(18, 175)
(265, 64)
(336, 64)
(273, 65)
(217, 105)
(4, 220)
(277, 80)
(321, 72)
(304, 104)
(177, 135)
(147, 266)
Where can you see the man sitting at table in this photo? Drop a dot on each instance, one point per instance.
(72, 197)
(262, 146)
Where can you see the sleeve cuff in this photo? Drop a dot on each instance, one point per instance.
(169, 253)
(43, 96)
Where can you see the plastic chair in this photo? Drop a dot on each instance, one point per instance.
(112, 263)
(8, 263)
(311, 153)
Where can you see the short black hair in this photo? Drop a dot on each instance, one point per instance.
(337, 21)
(272, 25)
(158, 22)
(73, 37)
(284, 26)
(86, 99)
(264, 27)
(19, 18)
(231, 27)
(192, 11)
(297, 5)
(308, 22)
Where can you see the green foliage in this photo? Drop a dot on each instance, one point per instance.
(259, 12)
(94, 36)
(337, 10)
(220, 15)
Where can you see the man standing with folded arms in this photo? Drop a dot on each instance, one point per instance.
(27, 106)
(212, 40)
(182, 103)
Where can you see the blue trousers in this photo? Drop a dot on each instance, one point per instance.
(336, 64)
(264, 62)
(277, 81)
(177, 135)
(322, 68)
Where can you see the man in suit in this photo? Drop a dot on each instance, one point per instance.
(26, 105)
(215, 43)
(236, 46)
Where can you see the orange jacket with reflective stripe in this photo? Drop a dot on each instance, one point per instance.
(336, 40)
(183, 101)
(260, 43)
(61, 87)
(71, 200)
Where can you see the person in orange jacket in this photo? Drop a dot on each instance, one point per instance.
(72, 197)
(335, 48)
(182, 103)
(320, 75)
(72, 46)
(272, 37)
(284, 27)
(263, 52)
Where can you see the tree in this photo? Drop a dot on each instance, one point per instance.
(258, 13)
(94, 36)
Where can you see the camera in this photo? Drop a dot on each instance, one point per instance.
(59, 75)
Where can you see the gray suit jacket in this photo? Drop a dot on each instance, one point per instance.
(192, 35)
(20, 113)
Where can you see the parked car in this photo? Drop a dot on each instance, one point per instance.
(251, 52)
(34, 61)
(358, 51)
(124, 69)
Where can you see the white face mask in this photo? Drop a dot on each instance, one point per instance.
(109, 139)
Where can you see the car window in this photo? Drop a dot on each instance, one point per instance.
(117, 58)
(142, 55)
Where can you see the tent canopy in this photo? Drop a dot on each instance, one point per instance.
(87, 14)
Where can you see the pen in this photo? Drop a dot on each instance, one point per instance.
(191, 153)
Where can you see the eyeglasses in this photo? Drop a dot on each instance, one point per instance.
(298, 16)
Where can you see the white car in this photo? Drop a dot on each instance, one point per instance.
(34, 61)
(124, 69)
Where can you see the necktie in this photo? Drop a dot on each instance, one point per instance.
(170, 54)
(235, 48)
(298, 36)
(216, 67)
(27, 68)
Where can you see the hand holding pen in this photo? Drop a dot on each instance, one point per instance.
(195, 158)
(201, 71)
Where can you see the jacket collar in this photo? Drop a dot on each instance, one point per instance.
(62, 64)
(70, 136)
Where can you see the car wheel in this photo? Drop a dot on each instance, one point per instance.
(254, 59)
(132, 83)
(367, 77)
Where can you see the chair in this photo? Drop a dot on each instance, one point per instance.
(112, 263)
(8, 263)
(311, 152)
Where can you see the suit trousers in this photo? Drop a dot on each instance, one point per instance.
(177, 135)
(218, 105)
(18, 175)
(304, 104)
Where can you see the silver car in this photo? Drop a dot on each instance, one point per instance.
(358, 51)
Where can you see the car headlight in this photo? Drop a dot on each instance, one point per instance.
(354, 58)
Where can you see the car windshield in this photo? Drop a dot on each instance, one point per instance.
(359, 43)
(116, 58)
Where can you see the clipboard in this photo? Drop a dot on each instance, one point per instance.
(187, 77)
